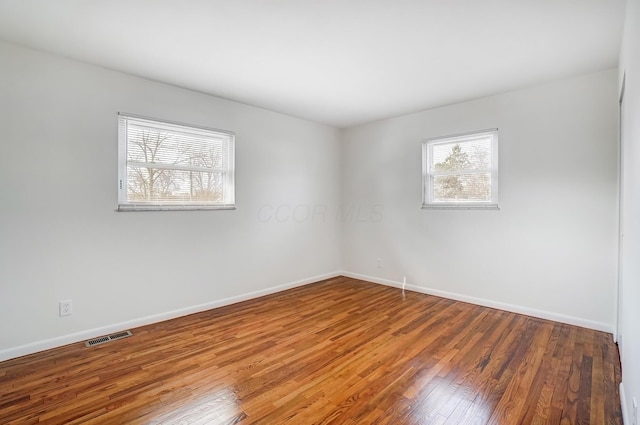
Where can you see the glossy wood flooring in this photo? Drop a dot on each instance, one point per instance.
(340, 351)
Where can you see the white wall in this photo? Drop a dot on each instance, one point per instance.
(629, 326)
(549, 251)
(60, 236)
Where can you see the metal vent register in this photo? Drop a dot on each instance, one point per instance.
(107, 338)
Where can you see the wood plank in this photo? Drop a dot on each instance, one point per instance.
(340, 351)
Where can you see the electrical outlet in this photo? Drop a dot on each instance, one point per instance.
(66, 308)
(379, 263)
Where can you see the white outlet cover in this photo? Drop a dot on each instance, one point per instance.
(66, 307)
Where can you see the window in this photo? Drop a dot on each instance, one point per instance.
(461, 171)
(170, 166)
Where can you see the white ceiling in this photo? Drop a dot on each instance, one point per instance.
(339, 62)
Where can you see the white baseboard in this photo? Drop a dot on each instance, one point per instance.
(623, 405)
(47, 344)
(556, 317)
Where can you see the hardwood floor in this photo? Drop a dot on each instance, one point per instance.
(341, 351)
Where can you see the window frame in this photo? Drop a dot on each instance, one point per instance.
(124, 204)
(428, 173)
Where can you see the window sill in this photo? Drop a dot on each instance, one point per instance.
(460, 207)
(135, 208)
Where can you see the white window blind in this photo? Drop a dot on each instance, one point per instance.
(165, 165)
(461, 171)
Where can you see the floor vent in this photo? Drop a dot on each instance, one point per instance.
(105, 339)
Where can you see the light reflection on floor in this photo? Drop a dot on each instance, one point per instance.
(218, 407)
(451, 403)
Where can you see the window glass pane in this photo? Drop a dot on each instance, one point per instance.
(162, 147)
(462, 188)
(460, 156)
(147, 184)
